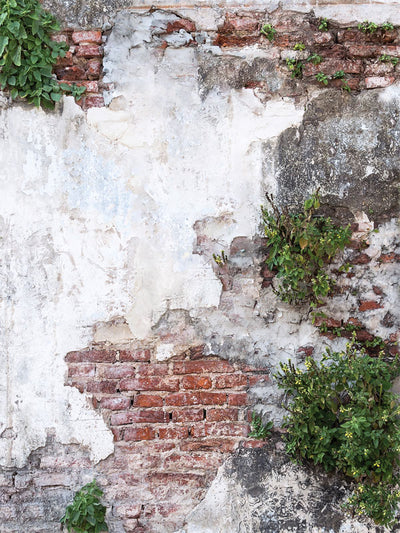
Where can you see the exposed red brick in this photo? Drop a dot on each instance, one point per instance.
(327, 321)
(94, 101)
(81, 370)
(367, 305)
(226, 40)
(192, 461)
(259, 378)
(66, 61)
(254, 443)
(131, 417)
(105, 387)
(148, 400)
(363, 335)
(219, 429)
(364, 50)
(354, 322)
(218, 415)
(196, 382)
(174, 432)
(150, 384)
(238, 23)
(115, 404)
(307, 351)
(134, 355)
(237, 399)
(181, 24)
(195, 398)
(60, 37)
(379, 69)
(187, 415)
(361, 259)
(89, 50)
(93, 68)
(139, 433)
(387, 258)
(377, 290)
(330, 66)
(199, 367)
(152, 370)
(116, 371)
(127, 510)
(91, 356)
(74, 73)
(335, 51)
(375, 82)
(222, 445)
(229, 381)
(92, 36)
(266, 273)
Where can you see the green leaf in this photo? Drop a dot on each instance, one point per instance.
(16, 57)
(56, 97)
(3, 43)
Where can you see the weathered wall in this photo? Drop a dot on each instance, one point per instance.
(128, 354)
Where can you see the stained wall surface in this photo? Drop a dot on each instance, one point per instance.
(127, 353)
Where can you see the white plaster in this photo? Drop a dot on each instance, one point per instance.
(97, 216)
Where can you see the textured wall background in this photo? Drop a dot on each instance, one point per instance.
(128, 354)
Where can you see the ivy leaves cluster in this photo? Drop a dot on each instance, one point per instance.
(300, 245)
(343, 416)
(28, 54)
(86, 514)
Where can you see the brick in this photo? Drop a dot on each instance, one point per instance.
(94, 101)
(322, 38)
(92, 36)
(89, 51)
(126, 449)
(134, 355)
(196, 382)
(116, 371)
(137, 417)
(203, 461)
(202, 367)
(240, 23)
(105, 387)
(259, 378)
(74, 73)
(139, 433)
(213, 398)
(229, 381)
(93, 68)
(237, 399)
(221, 445)
(183, 398)
(150, 384)
(364, 50)
(115, 404)
(375, 82)
(379, 69)
(354, 322)
(361, 259)
(60, 37)
(148, 400)
(94, 356)
(128, 510)
(330, 66)
(387, 258)
(377, 290)
(220, 430)
(188, 415)
(66, 61)
(254, 443)
(174, 432)
(218, 415)
(335, 51)
(152, 370)
(363, 335)
(368, 305)
(181, 24)
(81, 370)
(91, 86)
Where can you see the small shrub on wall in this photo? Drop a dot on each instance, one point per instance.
(28, 54)
(343, 416)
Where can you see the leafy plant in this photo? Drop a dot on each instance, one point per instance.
(295, 66)
(86, 513)
(343, 416)
(315, 59)
(346, 86)
(258, 429)
(299, 246)
(27, 54)
(269, 32)
(220, 259)
(385, 58)
(323, 24)
(322, 78)
(387, 26)
(299, 47)
(339, 75)
(367, 27)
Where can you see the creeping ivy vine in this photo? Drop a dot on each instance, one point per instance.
(28, 54)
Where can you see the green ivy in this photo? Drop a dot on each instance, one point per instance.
(86, 514)
(28, 54)
(344, 417)
(258, 429)
(299, 248)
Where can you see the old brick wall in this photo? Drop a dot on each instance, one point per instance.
(154, 355)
